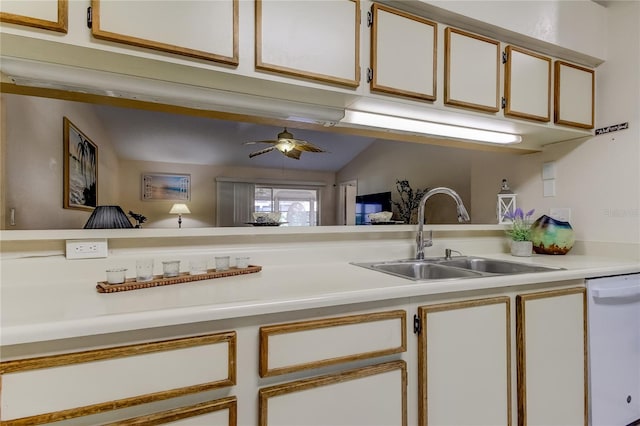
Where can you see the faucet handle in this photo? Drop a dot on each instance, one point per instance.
(447, 253)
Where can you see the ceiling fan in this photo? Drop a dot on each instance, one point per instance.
(286, 144)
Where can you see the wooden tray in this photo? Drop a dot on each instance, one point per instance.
(158, 280)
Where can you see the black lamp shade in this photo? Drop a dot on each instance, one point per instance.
(108, 217)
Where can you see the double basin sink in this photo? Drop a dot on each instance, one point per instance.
(441, 268)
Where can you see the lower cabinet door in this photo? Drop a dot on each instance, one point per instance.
(368, 396)
(464, 363)
(552, 367)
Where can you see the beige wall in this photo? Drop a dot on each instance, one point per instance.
(377, 169)
(203, 190)
(34, 163)
(33, 174)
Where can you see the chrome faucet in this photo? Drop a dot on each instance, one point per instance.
(463, 216)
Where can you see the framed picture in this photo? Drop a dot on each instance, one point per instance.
(80, 169)
(166, 186)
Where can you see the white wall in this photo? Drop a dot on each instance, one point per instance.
(599, 179)
(34, 161)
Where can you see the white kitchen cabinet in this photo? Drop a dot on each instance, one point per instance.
(471, 71)
(551, 356)
(574, 95)
(369, 395)
(527, 85)
(56, 387)
(403, 54)
(46, 14)
(372, 395)
(335, 340)
(464, 363)
(198, 29)
(316, 40)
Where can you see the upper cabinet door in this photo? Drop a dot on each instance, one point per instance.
(574, 95)
(316, 40)
(46, 14)
(403, 54)
(527, 85)
(198, 29)
(471, 71)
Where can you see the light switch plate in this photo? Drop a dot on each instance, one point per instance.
(548, 171)
(549, 188)
(86, 249)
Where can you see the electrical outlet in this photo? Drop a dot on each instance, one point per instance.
(86, 249)
(560, 213)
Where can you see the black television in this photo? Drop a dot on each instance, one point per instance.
(371, 203)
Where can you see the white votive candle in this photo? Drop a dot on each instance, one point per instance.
(116, 275)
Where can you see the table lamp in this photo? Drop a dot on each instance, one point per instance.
(108, 217)
(179, 209)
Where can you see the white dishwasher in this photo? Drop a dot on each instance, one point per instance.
(614, 350)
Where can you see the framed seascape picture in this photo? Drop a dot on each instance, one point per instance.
(80, 169)
(166, 186)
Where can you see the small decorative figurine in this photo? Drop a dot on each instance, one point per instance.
(140, 219)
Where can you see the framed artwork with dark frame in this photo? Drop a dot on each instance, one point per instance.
(80, 169)
(166, 187)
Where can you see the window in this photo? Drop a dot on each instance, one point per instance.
(299, 206)
(237, 199)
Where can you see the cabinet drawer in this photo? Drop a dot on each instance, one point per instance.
(221, 412)
(374, 395)
(285, 348)
(52, 388)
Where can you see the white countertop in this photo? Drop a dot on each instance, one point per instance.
(74, 308)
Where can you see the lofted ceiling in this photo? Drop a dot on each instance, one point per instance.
(143, 135)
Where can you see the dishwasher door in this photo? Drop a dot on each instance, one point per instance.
(614, 350)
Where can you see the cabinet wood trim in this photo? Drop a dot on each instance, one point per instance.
(521, 333)
(101, 34)
(229, 403)
(53, 361)
(448, 99)
(268, 331)
(423, 311)
(508, 111)
(557, 112)
(60, 25)
(375, 87)
(315, 382)
(323, 78)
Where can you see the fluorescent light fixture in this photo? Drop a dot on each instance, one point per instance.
(427, 128)
(53, 76)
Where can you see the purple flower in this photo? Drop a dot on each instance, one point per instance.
(520, 224)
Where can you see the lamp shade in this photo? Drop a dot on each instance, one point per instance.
(108, 217)
(179, 209)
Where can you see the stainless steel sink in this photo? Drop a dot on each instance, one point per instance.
(451, 269)
(421, 270)
(493, 266)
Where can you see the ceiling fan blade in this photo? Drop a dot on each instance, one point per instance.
(262, 151)
(307, 146)
(256, 142)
